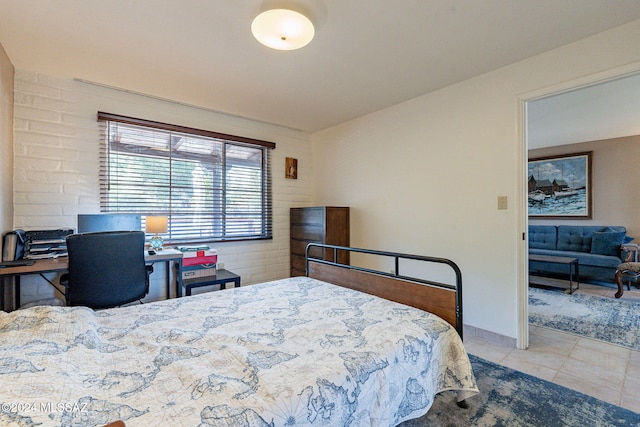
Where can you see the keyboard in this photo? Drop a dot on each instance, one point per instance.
(16, 263)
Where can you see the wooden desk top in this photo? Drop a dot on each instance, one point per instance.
(39, 266)
(62, 263)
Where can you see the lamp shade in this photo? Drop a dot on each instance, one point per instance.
(282, 29)
(156, 224)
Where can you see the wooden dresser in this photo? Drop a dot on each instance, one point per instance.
(319, 224)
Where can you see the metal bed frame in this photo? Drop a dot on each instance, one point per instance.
(396, 287)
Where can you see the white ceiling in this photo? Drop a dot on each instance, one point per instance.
(601, 111)
(366, 55)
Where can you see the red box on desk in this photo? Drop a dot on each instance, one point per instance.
(200, 263)
(200, 257)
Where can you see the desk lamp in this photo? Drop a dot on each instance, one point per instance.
(156, 224)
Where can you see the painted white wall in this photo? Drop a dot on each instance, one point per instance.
(6, 142)
(424, 176)
(57, 157)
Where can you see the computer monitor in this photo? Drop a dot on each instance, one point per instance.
(108, 222)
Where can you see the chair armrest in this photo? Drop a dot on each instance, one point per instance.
(149, 269)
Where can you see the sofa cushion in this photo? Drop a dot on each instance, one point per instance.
(578, 238)
(607, 242)
(543, 236)
(574, 238)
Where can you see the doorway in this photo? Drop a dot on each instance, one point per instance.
(572, 119)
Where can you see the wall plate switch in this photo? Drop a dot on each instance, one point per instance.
(502, 202)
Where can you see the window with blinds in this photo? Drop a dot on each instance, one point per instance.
(211, 186)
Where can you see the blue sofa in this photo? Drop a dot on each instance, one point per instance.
(597, 248)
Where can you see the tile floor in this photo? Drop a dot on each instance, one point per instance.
(605, 371)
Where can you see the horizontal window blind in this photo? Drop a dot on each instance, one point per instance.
(211, 186)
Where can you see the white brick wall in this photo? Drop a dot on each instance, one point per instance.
(56, 162)
(6, 141)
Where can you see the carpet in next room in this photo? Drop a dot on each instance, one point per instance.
(606, 319)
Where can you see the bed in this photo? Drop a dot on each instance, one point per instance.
(316, 350)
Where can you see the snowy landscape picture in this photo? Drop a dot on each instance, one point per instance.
(560, 186)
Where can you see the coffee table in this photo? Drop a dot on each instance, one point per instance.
(572, 265)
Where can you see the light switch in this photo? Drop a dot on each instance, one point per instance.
(502, 202)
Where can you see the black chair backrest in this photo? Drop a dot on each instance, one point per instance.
(106, 269)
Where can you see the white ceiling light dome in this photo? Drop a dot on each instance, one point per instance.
(283, 29)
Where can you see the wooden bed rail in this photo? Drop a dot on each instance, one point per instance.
(442, 299)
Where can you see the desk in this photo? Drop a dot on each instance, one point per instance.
(167, 255)
(61, 264)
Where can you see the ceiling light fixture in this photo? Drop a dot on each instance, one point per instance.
(282, 29)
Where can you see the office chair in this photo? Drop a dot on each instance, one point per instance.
(106, 269)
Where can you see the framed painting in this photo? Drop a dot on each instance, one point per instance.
(560, 187)
(291, 168)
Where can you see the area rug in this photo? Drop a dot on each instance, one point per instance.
(515, 399)
(605, 319)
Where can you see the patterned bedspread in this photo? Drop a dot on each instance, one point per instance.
(285, 353)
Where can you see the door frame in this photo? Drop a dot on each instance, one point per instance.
(522, 291)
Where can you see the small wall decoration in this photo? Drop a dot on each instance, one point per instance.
(560, 186)
(291, 168)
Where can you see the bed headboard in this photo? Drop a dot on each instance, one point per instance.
(442, 299)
